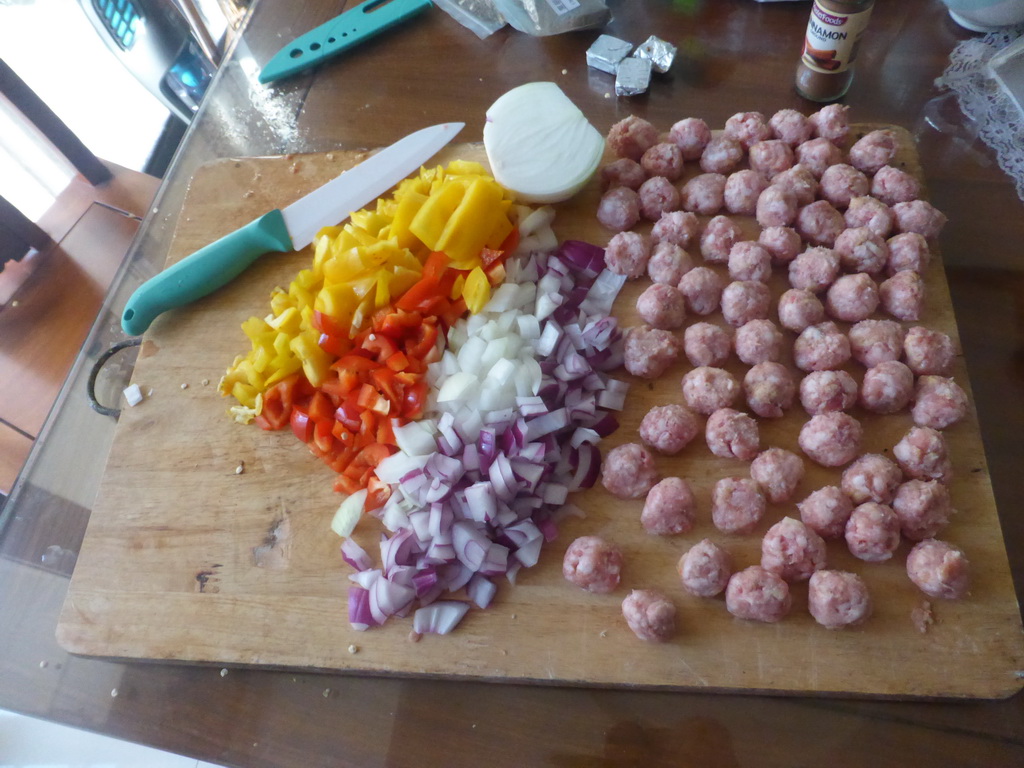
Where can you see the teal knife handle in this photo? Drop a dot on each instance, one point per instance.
(339, 34)
(205, 271)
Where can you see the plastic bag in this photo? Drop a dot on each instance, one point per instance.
(553, 17)
(481, 17)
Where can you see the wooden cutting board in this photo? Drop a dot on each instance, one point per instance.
(187, 558)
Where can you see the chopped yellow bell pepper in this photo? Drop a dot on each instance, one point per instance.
(477, 291)
(429, 222)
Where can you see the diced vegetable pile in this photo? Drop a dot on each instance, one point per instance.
(447, 359)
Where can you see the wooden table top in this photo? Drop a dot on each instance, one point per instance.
(734, 55)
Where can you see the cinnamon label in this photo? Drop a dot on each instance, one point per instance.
(832, 38)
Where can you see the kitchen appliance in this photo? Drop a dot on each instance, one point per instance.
(153, 41)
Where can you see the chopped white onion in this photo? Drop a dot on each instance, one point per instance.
(348, 514)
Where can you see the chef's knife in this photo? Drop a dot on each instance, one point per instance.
(290, 228)
(339, 34)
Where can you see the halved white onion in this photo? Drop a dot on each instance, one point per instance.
(540, 145)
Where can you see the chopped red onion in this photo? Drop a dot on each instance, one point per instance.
(440, 617)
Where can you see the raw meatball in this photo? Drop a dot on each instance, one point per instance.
(776, 207)
(665, 159)
(702, 288)
(649, 352)
(745, 300)
(872, 477)
(939, 569)
(741, 192)
(919, 216)
(747, 128)
(782, 243)
(706, 344)
(631, 137)
(791, 126)
(923, 508)
(817, 155)
(622, 173)
(619, 209)
(758, 595)
(922, 454)
(902, 295)
(831, 122)
(872, 532)
(826, 391)
(799, 308)
(668, 263)
(593, 564)
(814, 269)
(778, 472)
(662, 306)
(627, 253)
(821, 347)
(820, 223)
(758, 341)
(719, 236)
(721, 155)
(840, 183)
(650, 614)
(861, 250)
(891, 186)
(731, 434)
(669, 428)
(792, 550)
(705, 569)
(800, 181)
(887, 387)
(749, 261)
(657, 196)
(707, 389)
(908, 251)
(691, 135)
(771, 157)
(939, 402)
(831, 439)
(769, 389)
(628, 471)
(838, 599)
(876, 341)
(704, 193)
(871, 213)
(826, 511)
(929, 352)
(873, 151)
(737, 505)
(852, 298)
(669, 508)
(676, 227)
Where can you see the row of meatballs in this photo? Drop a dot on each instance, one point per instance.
(835, 223)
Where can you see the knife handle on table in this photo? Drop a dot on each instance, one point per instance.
(205, 271)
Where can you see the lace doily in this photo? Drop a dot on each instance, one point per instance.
(984, 102)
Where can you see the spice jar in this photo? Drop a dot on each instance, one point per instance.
(833, 37)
